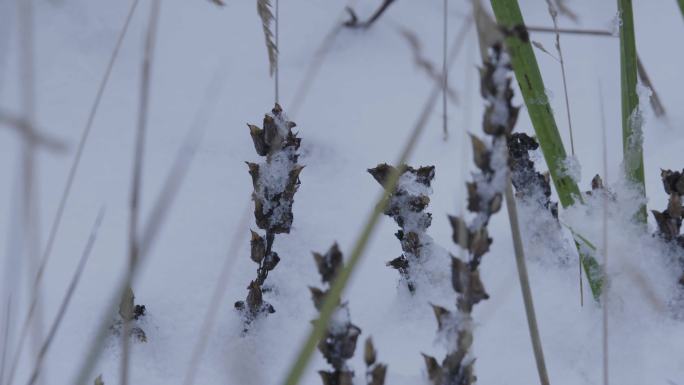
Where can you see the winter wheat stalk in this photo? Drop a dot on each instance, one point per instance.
(275, 182)
(407, 206)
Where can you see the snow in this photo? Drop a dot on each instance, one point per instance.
(273, 178)
(572, 168)
(358, 112)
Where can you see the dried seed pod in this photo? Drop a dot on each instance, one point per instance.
(369, 353)
(375, 372)
(258, 246)
(434, 369)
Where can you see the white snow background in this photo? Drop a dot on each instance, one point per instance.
(361, 107)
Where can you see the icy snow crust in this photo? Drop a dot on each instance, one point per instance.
(358, 113)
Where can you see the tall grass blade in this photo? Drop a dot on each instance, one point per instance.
(531, 84)
(633, 153)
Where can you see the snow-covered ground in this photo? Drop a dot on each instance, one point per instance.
(361, 107)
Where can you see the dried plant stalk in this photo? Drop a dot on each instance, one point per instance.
(275, 182)
(485, 194)
(406, 206)
(339, 342)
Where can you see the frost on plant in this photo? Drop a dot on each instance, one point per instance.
(406, 206)
(339, 342)
(275, 182)
(670, 220)
(455, 328)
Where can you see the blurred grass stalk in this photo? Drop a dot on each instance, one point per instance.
(632, 137)
(507, 13)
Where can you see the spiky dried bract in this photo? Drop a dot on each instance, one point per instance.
(329, 263)
(264, 9)
(529, 184)
(406, 205)
(339, 343)
(275, 182)
(485, 194)
(375, 372)
(670, 220)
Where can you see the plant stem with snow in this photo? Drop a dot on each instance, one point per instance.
(406, 206)
(275, 182)
(485, 195)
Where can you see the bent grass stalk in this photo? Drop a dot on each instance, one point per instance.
(531, 84)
